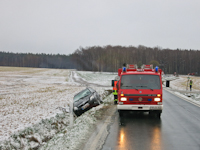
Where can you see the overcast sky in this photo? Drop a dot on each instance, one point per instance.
(62, 26)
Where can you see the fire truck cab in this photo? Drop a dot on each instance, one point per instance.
(140, 89)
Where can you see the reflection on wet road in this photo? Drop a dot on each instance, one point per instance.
(139, 131)
(178, 128)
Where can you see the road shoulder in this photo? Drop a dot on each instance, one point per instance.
(100, 132)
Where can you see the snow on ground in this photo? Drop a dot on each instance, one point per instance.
(81, 130)
(29, 95)
(101, 78)
(180, 86)
(29, 98)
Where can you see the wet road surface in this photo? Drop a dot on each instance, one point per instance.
(178, 128)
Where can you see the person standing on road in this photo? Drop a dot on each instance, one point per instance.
(191, 85)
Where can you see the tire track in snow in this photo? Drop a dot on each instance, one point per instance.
(83, 82)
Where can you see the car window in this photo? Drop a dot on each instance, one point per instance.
(140, 82)
(82, 94)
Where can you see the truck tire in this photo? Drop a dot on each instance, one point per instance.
(158, 114)
(151, 113)
(121, 113)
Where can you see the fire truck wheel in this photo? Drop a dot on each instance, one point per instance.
(151, 113)
(121, 113)
(158, 114)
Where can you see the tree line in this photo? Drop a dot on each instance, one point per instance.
(109, 59)
(36, 60)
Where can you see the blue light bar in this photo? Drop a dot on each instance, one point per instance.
(156, 69)
(124, 69)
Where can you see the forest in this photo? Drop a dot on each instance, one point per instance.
(109, 59)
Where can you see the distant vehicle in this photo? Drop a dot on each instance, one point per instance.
(193, 73)
(85, 100)
(140, 90)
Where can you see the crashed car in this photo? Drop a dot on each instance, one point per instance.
(85, 100)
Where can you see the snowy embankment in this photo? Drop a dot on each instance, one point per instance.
(29, 98)
(180, 87)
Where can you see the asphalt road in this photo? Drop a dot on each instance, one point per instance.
(178, 128)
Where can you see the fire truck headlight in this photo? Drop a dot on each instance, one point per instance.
(157, 99)
(123, 99)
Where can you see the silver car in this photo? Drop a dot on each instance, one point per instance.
(85, 100)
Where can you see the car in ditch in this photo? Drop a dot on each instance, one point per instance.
(85, 100)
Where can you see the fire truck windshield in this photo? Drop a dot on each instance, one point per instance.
(140, 81)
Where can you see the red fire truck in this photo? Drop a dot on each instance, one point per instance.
(140, 89)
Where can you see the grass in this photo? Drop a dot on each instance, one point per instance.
(47, 89)
(99, 114)
(61, 91)
(28, 71)
(5, 69)
(16, 69)
(196, 83)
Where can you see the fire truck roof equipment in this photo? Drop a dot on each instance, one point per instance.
(133, 67)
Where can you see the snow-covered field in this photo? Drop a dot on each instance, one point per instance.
(29, 95)
(29, 98)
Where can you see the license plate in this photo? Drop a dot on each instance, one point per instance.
(155, 107)
(85, 106)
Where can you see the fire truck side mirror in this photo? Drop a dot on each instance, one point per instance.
(112, 83)
(167, 83)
